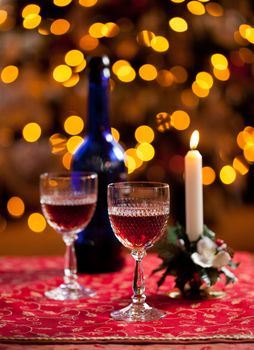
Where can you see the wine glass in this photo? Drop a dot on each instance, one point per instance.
(68, 202)
(138, 213)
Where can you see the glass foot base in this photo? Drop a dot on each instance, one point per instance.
(204, 294)
(137, 313)
(65, 292)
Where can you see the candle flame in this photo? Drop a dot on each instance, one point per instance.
(194, 139)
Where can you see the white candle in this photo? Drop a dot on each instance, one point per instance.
(193, 190)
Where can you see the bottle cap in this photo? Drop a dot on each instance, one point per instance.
(99, 68)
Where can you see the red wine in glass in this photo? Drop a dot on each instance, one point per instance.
(68, 214)
(138, 213)
(138, 227)
(68, 202)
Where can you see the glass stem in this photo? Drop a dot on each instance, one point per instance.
(70, 262)
(138, 280)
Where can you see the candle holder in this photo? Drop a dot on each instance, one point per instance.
(197, 265)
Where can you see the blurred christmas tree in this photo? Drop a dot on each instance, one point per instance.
(177, 65)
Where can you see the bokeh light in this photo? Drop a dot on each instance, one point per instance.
(73, 143)
(208, 175)
(227, 174)
(74, 125)
(62, 73)
(180, 120)
(148, 72)
(219, 61)
(145, 151)
(160, 44)
(31, 132)
(31, 21)
(36, 222)
(178, 24)
(30, 9)
(66, 160)
(240, 165)
(74, 58)
(60, 26)
(87, 3)
(15, 206)
(115, 134)
(144, 133)
(9, 74)
(62, 3)
(196, 8)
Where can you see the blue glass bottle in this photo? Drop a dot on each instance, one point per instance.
(97, 249)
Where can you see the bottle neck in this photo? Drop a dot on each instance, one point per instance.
(98, 107)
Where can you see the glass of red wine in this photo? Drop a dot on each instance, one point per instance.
(68, 202)
(138, 213)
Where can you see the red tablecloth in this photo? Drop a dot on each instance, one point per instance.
(26, 315)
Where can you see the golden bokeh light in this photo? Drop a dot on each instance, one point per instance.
(144, 133)
(227, 174)
(250, 35)
(9, 74)
(145, 37)
(88, 43)
(96, 30)
(219, 61)
(31, 21)
(61, 3)
(132, 152)
(222, 75)
(74, 79)
(240, 140)
(66, 160)
(110, 29)
(196, 8)
(74, 125)
(208, 175)
(198, 91)
(214, 9)
(204, 80)
(31, 132)
(36, 222)
(177, 1)
(73, 143)
(30, 9)
(16, 206)
(60, 26)
(58, 143)
(62, 73)
(145, 151)
(148, 72)
(180, 120)
(74, 58)
(178, 24)
(249, 152)
(126, 73)
(88, 3)
(3, 16)
(240, 165)
(115, 133)
(130, 164)
(119, 65)
(160, 44)
(163, 120)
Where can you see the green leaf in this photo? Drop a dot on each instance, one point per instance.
(208, 233)
(230, 277)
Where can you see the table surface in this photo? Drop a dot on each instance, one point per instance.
(26, 316)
